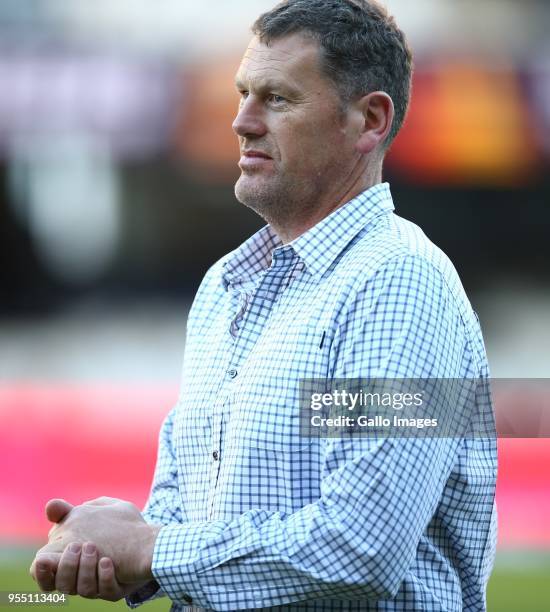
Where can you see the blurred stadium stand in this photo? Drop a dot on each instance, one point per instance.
(116, 168)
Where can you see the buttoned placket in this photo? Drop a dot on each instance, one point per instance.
(270, 285)
(215, 453)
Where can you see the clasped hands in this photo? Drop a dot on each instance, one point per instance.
(102, 548)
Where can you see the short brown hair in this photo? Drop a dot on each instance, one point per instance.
(362, 49)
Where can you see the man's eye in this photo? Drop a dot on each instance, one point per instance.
(243, 97)
(276, 99)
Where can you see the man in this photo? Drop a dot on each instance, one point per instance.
(244, 512)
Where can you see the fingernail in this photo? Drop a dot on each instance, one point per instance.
(75, 547)
(105, 564)
(89, 548)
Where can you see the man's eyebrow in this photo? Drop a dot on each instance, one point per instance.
(264, 85)
(239, 83)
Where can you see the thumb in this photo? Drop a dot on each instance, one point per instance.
(57, 509)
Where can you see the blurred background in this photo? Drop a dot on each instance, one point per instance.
(117, 164)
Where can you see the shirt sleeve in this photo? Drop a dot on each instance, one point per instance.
(163, 505)
(358, 540)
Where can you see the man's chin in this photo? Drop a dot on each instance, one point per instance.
(257, 197)
(249, 190)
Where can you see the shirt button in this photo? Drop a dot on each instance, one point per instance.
(232, 373)
(215, 455)
(187, 598)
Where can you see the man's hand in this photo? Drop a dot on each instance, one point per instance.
(43, 572)
(118, 531)
(77, 572)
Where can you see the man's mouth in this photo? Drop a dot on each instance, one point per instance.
(253, 157)
(253, 153)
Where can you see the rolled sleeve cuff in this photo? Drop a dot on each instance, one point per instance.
(176, 558)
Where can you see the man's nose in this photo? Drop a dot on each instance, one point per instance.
(249, 121)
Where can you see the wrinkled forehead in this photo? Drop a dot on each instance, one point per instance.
(295, 57)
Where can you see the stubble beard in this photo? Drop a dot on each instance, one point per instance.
(278, 201)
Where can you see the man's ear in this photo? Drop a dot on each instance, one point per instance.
(378, 113)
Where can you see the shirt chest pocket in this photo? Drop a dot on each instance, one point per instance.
(287, 353)
(267, 416)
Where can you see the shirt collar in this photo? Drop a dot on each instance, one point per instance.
(318, 247)
(321, 245)
(251, 258)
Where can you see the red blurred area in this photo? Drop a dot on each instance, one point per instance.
(80, 442)
(523, 493)
(75, 442)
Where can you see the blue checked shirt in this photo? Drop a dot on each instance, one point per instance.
(258, 517)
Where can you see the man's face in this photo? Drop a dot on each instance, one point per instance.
(297, 146)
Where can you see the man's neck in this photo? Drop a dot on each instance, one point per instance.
(295, 227)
